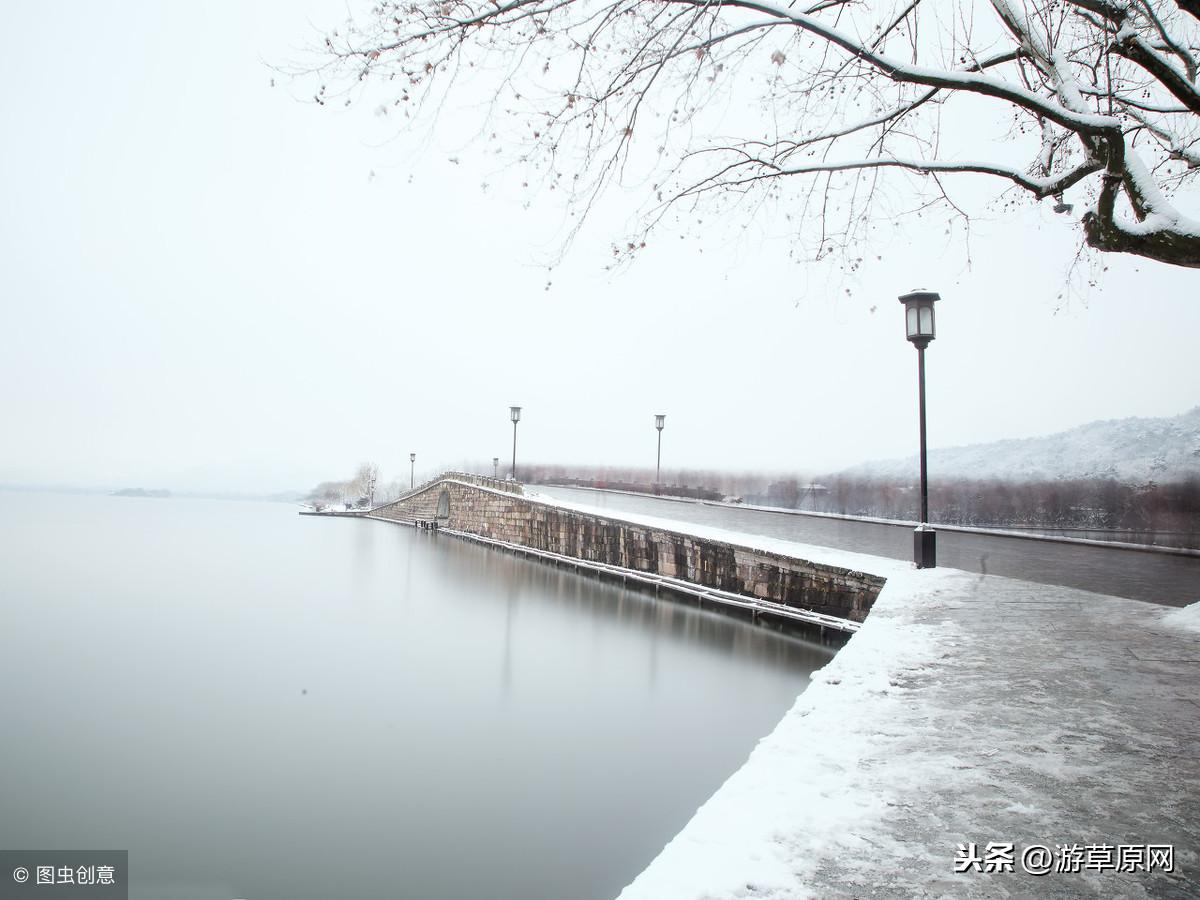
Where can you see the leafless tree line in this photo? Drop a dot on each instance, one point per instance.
(1076, 503)
(1100, 504)
(361, 490)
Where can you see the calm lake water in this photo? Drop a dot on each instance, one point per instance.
(267, 706)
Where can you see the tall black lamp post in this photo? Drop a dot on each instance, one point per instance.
(514, 413)
(412, 471)
(659, 421)
(918, 321)
(496, 467)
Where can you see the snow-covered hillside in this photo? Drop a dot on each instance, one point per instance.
(1130, 450)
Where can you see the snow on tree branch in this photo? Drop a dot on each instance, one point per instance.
(714, 100)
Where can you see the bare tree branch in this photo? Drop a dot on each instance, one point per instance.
(699, 99)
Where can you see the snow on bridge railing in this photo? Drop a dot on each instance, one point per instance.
(487, 481)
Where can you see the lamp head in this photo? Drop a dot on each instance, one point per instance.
(919, 323)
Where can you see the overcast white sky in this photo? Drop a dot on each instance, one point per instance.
(210, 285)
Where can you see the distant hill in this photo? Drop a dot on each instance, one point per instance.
(1129, 450)
(140, 492)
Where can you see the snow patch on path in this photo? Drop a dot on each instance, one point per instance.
(800, 797)
(1185, 619)
(844, 559)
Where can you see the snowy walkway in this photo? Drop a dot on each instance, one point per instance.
(969, 709)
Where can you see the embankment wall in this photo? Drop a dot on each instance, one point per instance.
(502, 513)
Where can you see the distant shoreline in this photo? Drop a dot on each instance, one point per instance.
(274, 497)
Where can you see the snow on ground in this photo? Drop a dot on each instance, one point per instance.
(1187, 618)
(1049, 534)
(857, 562)
(968, 709)
(799, 797)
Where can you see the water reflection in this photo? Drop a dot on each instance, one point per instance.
(261, 705)
(510, 604)
(633, 608)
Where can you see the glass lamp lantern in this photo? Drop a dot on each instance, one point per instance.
(918, 317)
(515, 413)
(659, 421)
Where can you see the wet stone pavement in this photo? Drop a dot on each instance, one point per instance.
(1064, 718)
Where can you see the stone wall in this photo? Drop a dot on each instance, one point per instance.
(505, 515)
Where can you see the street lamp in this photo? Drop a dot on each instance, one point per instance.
(412, 471)
(496, 467)
(514, 413)
(658, 423)
(918, 320)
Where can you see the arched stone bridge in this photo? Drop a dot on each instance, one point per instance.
(499, 513)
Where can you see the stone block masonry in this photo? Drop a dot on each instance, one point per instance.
(504, 514)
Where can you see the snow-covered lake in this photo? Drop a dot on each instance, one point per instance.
(257, 704)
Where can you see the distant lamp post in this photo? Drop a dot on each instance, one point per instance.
(496, 467)
(514, 413)
(412, 471)
(659, 421)
(919, 326)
